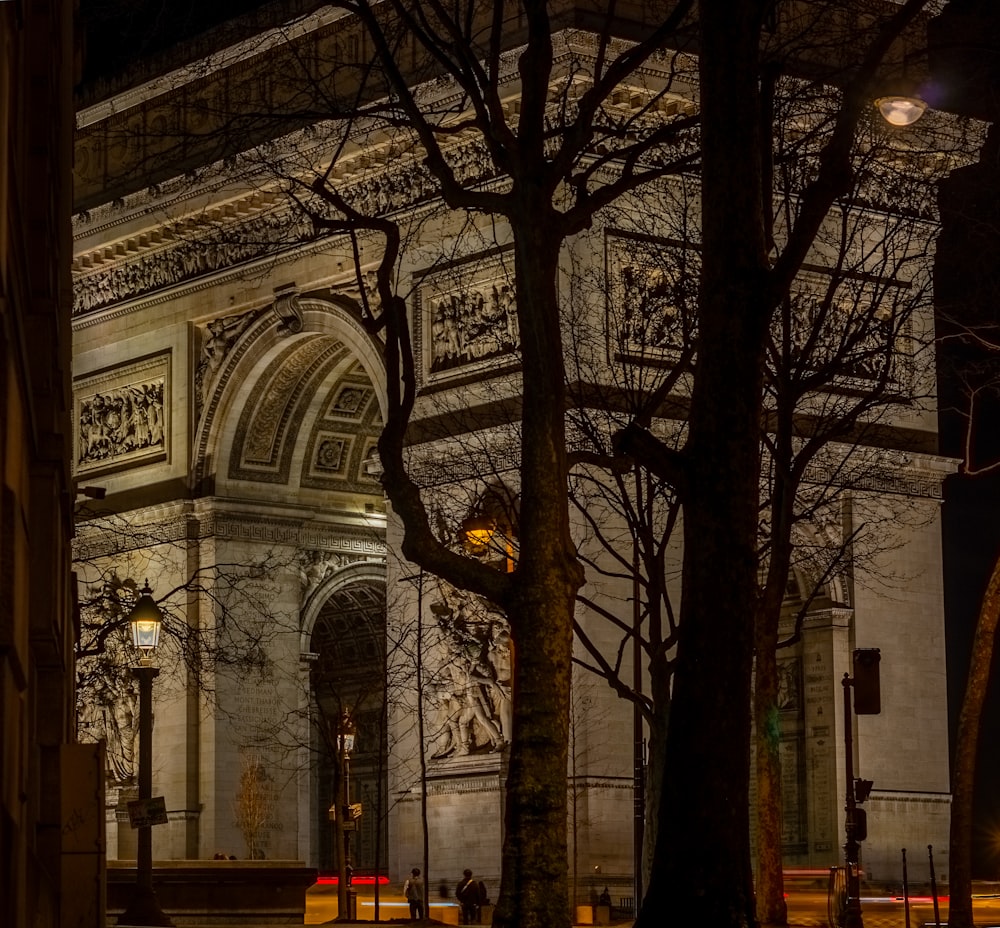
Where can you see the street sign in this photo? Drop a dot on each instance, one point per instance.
(142, 813)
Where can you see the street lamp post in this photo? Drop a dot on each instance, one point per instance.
(867, 701)
(345, 895)
(852, 917)
(145, 620)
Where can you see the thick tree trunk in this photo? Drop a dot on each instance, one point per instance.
(771, 906)
(966, 750)
(701, 867)
(534, 888)
(656, 762)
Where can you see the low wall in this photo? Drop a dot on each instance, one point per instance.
(219, 892)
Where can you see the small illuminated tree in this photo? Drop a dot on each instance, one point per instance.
(253, 806)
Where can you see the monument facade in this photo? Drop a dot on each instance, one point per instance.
(229, 390)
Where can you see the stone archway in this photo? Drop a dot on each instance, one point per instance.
(348, 675)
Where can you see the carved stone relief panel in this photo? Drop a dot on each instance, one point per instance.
(122, 416)
(468, 683)
(467, 318)
(652, 296)
(854, 322)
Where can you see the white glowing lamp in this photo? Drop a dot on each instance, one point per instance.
(146, 620)
(900, 110)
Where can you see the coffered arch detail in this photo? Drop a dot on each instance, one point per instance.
(292, 393)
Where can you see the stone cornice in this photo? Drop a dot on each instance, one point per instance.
(218, 61)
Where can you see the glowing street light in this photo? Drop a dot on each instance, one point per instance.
(901, 109)
(145, 620)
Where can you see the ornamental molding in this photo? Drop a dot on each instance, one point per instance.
(376, 176)
(172, 523)
(228, 57)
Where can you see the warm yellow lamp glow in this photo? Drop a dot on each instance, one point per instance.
(146, 619)
(899, 110)
(477, 533)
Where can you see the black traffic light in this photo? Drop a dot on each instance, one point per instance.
(867, 689)
(860, 824)
(862, 788)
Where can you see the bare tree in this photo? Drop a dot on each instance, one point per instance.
(532, 154)
(847, 354)
(253, 805)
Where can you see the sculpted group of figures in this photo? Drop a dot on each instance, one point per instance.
(121, 421)
(473, 325)
(188, 258)
(468, 693)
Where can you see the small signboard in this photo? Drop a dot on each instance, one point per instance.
(145, 812)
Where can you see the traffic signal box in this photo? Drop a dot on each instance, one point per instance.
(867, 689)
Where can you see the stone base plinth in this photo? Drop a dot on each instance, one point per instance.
(218, 892)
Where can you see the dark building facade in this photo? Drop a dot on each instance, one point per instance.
(50, 836)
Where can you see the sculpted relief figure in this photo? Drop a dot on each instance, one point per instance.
(218, 337)
(315, 567)
(112, 716)
(469, 690)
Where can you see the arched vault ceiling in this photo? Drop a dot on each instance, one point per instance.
(309, 420)
(349, 636)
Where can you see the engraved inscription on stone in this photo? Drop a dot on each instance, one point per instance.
(256, 706)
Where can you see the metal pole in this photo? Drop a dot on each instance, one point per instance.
(934, 894)
(638, 771)
(852, 917)
(144, 909)
(341, 834)
(348, 825)
(906, 893)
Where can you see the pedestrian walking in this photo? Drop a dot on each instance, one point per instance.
(413, 890)
(468, 896)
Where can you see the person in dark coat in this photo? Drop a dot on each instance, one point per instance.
(413, 890)
(468, 896)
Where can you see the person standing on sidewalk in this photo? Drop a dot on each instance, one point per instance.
(468, 895)
(413, 890)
